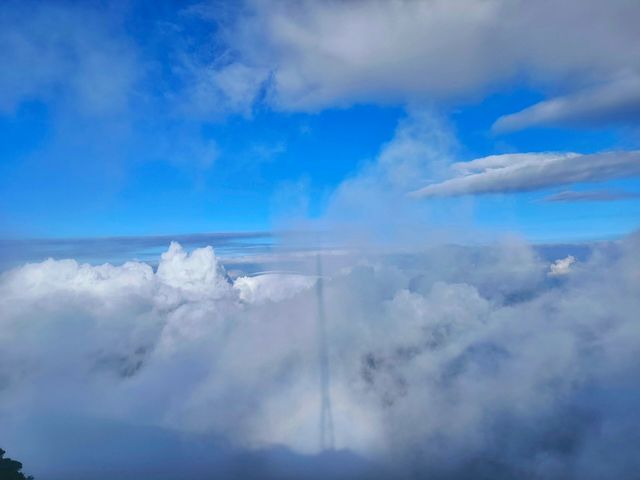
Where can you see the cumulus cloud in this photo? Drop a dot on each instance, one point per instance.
(532, 171)
(271, 286)
(331, 53)
(507, 370)
(615, 102)
(591, 196)
(561, 266)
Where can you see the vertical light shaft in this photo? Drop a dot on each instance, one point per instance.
(326, 416)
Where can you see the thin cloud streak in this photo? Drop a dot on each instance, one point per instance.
(591, 196)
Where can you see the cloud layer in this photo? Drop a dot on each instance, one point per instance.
(508, 370)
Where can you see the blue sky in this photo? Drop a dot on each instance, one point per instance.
(148, 118)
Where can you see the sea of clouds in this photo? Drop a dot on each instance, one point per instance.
(444, 363)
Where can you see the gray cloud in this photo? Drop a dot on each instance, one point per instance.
(591, 196)
(324, 54)
(615, 102)
(532, 171)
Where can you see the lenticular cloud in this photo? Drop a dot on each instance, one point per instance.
(444, 363)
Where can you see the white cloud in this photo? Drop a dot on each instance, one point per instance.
(273, 287)
(533, 171)
(198, 273)
(561, 266)
(474, 342)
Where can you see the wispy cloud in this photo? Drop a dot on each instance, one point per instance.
(57, 52)
(591, 196)
(532, 171)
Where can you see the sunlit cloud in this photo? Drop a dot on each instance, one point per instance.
(532, 171)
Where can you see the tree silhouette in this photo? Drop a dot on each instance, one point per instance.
(11, 469)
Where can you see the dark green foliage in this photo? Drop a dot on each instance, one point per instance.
(10, 469)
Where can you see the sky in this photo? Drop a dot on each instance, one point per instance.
(156, 118)
(320, 239)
